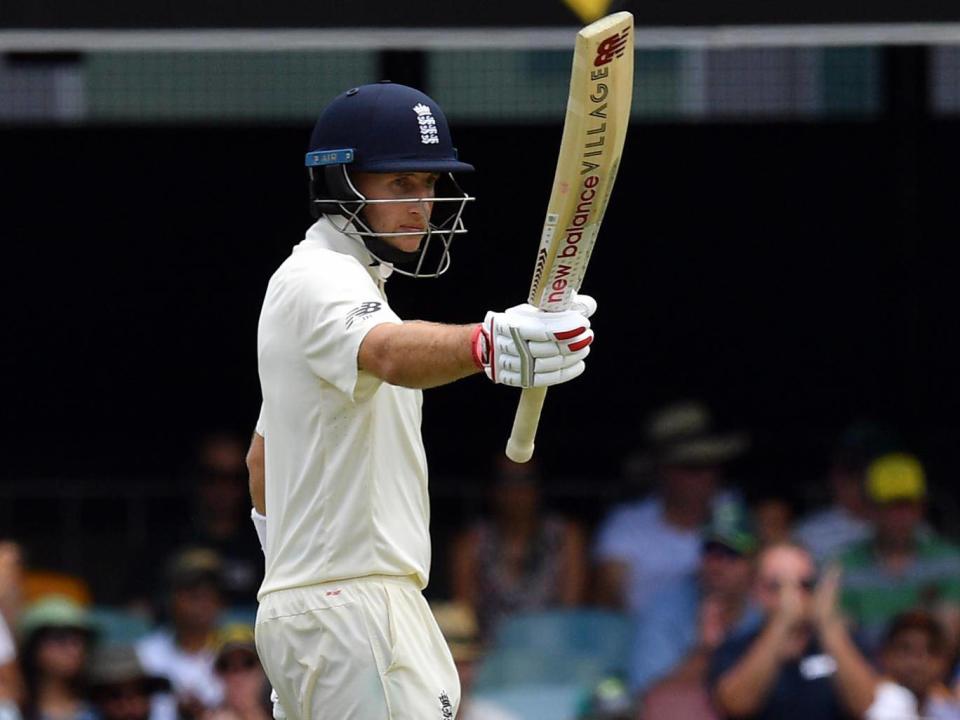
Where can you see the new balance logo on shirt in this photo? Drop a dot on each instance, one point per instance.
(362, 310)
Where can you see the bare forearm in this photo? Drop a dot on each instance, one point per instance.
(743, 689)
(855, 680)
(418, 354)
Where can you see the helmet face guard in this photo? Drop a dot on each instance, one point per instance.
(387, 128)
(333, 193)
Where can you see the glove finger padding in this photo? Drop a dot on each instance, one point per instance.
(556, 377)
(566, 347)
(531, 323)
(542, 379)
(560, 362)
(556, 362)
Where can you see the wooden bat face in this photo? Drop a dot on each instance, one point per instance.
(598, 113)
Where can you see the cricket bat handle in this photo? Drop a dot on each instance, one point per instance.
(520, 444)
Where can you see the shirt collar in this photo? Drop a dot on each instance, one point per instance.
(325, 234)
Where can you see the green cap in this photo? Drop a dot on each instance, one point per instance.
(54, 611)
(731, 527)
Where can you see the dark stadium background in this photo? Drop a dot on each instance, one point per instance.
(795, 275)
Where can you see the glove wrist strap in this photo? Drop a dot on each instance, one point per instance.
(480, 347)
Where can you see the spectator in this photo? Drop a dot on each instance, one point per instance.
(801, 663)
(183, 652)
(686, 621)
(458, 623)
(220, 517)
(119, 686)
(521, 557)
(905, 565)
(11, 581)
(246, 691)
(845, 520)
(11, 601)
(56, 636)
(10, 686)
(773, 512)
(915, 662)
(687, 456)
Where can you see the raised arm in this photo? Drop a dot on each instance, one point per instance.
(855, 679)
(743, 689)
(418, 354)
(521, 347)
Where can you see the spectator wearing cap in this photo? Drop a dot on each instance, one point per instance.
(246, 691)
(914, 660)
(905, 565)
(801, 662)
(56, 635)
(687, 620)
(119, 686)
(184, 650)
(845, 518)
(687, 457)
(520, 556)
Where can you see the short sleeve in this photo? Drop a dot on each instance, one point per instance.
(339, 303)
(614, 541)
(892, 702)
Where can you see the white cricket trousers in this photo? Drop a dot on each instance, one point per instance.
(360, 649)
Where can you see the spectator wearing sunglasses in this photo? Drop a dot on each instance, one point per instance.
(119, 686)
(802, 663)
(246, 691)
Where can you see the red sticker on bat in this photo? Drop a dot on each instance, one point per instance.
(611, 47)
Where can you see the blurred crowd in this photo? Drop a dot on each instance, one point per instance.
(737, 601)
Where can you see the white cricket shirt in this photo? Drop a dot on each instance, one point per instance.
(346, 488)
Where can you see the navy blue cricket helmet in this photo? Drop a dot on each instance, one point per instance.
(386, 127)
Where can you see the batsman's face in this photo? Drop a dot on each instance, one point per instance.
(412, 193)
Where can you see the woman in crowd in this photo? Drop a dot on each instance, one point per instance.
(56, 636)
(519, 558)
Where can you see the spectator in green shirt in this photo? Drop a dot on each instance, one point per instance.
(904, 565)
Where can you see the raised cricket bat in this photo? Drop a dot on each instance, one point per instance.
(598, 113)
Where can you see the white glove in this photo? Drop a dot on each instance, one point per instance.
(528, 347)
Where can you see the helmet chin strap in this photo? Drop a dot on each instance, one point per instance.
(385, 252)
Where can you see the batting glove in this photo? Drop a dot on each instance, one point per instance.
(528, 347)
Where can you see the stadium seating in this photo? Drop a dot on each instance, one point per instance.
(541, 665)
